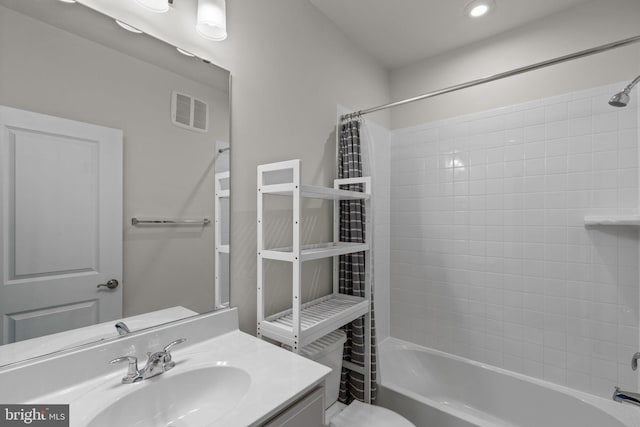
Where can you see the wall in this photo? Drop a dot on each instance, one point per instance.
(490, 256)
(591, 24)
(287, 80)
(168, 171)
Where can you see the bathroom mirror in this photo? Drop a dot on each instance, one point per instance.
(166, 190)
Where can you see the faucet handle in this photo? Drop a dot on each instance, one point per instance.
(634, 361)
(132, 370)
(172, 344)
(168, 363)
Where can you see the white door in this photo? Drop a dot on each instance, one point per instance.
(60, 224)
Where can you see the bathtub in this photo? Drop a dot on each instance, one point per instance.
(437, 389)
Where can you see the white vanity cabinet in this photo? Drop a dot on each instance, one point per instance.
(308, 411)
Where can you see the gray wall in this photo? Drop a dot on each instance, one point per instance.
(287, 79)
(168, 171)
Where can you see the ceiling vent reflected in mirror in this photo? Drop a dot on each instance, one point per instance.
(189, 113)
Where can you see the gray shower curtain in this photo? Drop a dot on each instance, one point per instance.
(352, 266)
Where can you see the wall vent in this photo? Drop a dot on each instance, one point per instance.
(189, 112)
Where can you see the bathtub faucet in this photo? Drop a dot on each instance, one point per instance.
(626, 396)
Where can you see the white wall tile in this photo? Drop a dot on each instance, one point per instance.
(579, 108)
(535, 116)
(490, 258)
(580, 126)
(580, 144)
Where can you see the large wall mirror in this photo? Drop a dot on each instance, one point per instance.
(114, 177)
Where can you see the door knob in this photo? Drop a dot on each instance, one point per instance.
(111, 284)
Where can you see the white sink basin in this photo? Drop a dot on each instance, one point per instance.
(192, 398)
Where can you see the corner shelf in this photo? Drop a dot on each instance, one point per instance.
(627, 220)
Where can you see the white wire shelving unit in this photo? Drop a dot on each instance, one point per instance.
(306, 322)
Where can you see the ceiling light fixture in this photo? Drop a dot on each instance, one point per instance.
(184, 52)
(128, 27)
(211, 21)
(157, 6)
(68, 1)
(479, 8)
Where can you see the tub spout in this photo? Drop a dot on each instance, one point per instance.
(626, 396)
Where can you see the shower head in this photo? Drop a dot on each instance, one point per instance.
(621, 99)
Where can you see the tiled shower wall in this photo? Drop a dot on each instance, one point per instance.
(490, 257)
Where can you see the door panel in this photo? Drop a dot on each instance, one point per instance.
(61, 216)
(45, 321)
(53, 171)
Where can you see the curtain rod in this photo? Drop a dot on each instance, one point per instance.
(516, 71)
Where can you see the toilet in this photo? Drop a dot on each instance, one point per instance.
(328, 351)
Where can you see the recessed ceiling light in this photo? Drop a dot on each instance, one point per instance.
(479, 8)
(68, 1)
(128, 27)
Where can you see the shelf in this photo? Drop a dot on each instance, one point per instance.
(315, 251)
(591, 220)
(313, 192)
(223, 194)
(317, 318)
(223, 249)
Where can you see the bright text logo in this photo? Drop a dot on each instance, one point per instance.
(34, 415)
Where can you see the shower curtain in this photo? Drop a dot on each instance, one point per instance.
(352, 266)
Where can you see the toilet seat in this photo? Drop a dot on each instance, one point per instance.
(359, 414)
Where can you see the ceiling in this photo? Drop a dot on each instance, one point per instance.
(400, 32)
(92, 25)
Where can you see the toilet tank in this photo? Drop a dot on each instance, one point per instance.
(328, 352)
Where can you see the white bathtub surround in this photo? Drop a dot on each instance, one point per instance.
(490, 257)
(430, 387)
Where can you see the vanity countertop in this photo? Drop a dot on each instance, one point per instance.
(276, 378)
(22, 350)
(272, 378)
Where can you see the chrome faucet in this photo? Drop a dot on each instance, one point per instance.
(626, 396)
(634, 361)
(122, 328)
(157, 363)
